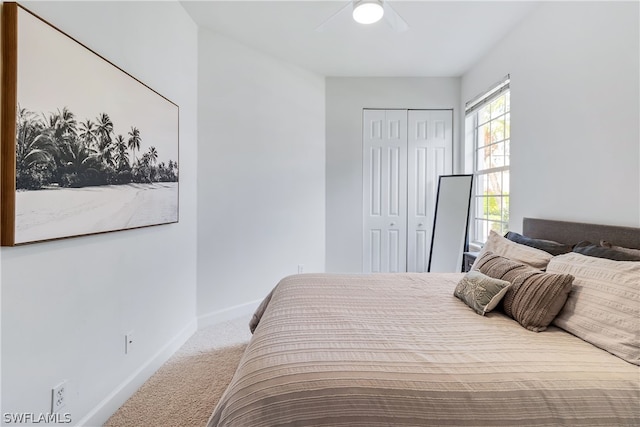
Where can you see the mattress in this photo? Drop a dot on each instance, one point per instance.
(401, 350)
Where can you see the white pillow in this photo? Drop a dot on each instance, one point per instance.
(603, 307)
(524, 254)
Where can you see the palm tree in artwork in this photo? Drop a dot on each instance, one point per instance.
(153, 158)
(134, 141)
(153, 155)
(61, 127)
(88, 133)
(81, 157)
(33, 144)
(62, 123)
(106, 156)
(121, 154)
(77, 159)
(104, 130)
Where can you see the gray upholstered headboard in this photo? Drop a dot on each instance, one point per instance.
(574, 232)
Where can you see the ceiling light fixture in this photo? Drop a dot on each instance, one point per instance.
(367, 11)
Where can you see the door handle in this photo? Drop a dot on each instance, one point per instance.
(392, 224)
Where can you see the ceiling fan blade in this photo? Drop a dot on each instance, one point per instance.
(392, 18)
(320, 28)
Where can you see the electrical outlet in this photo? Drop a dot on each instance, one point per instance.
(58, 397)
(128, 342)
(300, 268)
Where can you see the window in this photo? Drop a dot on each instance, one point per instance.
(488, 134)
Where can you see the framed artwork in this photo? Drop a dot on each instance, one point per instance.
(86, 148)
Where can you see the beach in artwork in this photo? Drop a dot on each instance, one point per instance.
(61, 212)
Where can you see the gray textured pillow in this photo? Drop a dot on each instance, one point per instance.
(554, 248)
(481, 292)
(593, 250)
(630, 251)
(535, 297)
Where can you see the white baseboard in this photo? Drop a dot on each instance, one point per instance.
(101, 412)
(240, 310)
(110, 404)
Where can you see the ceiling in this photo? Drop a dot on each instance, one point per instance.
(445, 38)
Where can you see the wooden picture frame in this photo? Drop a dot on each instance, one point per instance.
(86, 148)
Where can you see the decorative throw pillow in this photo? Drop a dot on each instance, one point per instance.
(554, 248)
(480, 292)
(537, 298)
(604, 306)
(520, 253)
(534, 297)
(593, 250)
(499, 267)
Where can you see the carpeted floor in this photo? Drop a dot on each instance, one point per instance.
(184, 391)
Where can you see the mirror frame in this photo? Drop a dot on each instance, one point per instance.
(462, 198)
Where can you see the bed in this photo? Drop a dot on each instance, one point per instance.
(402, 350)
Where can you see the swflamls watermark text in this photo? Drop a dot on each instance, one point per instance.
(33, 418)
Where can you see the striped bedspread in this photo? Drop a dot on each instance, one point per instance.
(401, 350)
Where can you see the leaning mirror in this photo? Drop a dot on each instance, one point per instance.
(450, 223)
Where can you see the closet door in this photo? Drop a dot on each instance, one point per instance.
(385, 190)
(430, 154)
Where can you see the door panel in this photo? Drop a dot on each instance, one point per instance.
(385, 190)
(375, 178)
(375, 251)
(430, 154)
(395, 171)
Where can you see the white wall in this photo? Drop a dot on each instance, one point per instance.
(67, 304)
(260, 183)
(575, 147)
(345, 99)
(261, 173)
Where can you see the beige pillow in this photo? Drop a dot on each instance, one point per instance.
(524, 254)
(604, 306)
(480, 292)
(535, 297)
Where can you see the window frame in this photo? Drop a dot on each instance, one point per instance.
(472, 117)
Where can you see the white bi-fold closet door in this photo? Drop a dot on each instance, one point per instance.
(404, 153)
